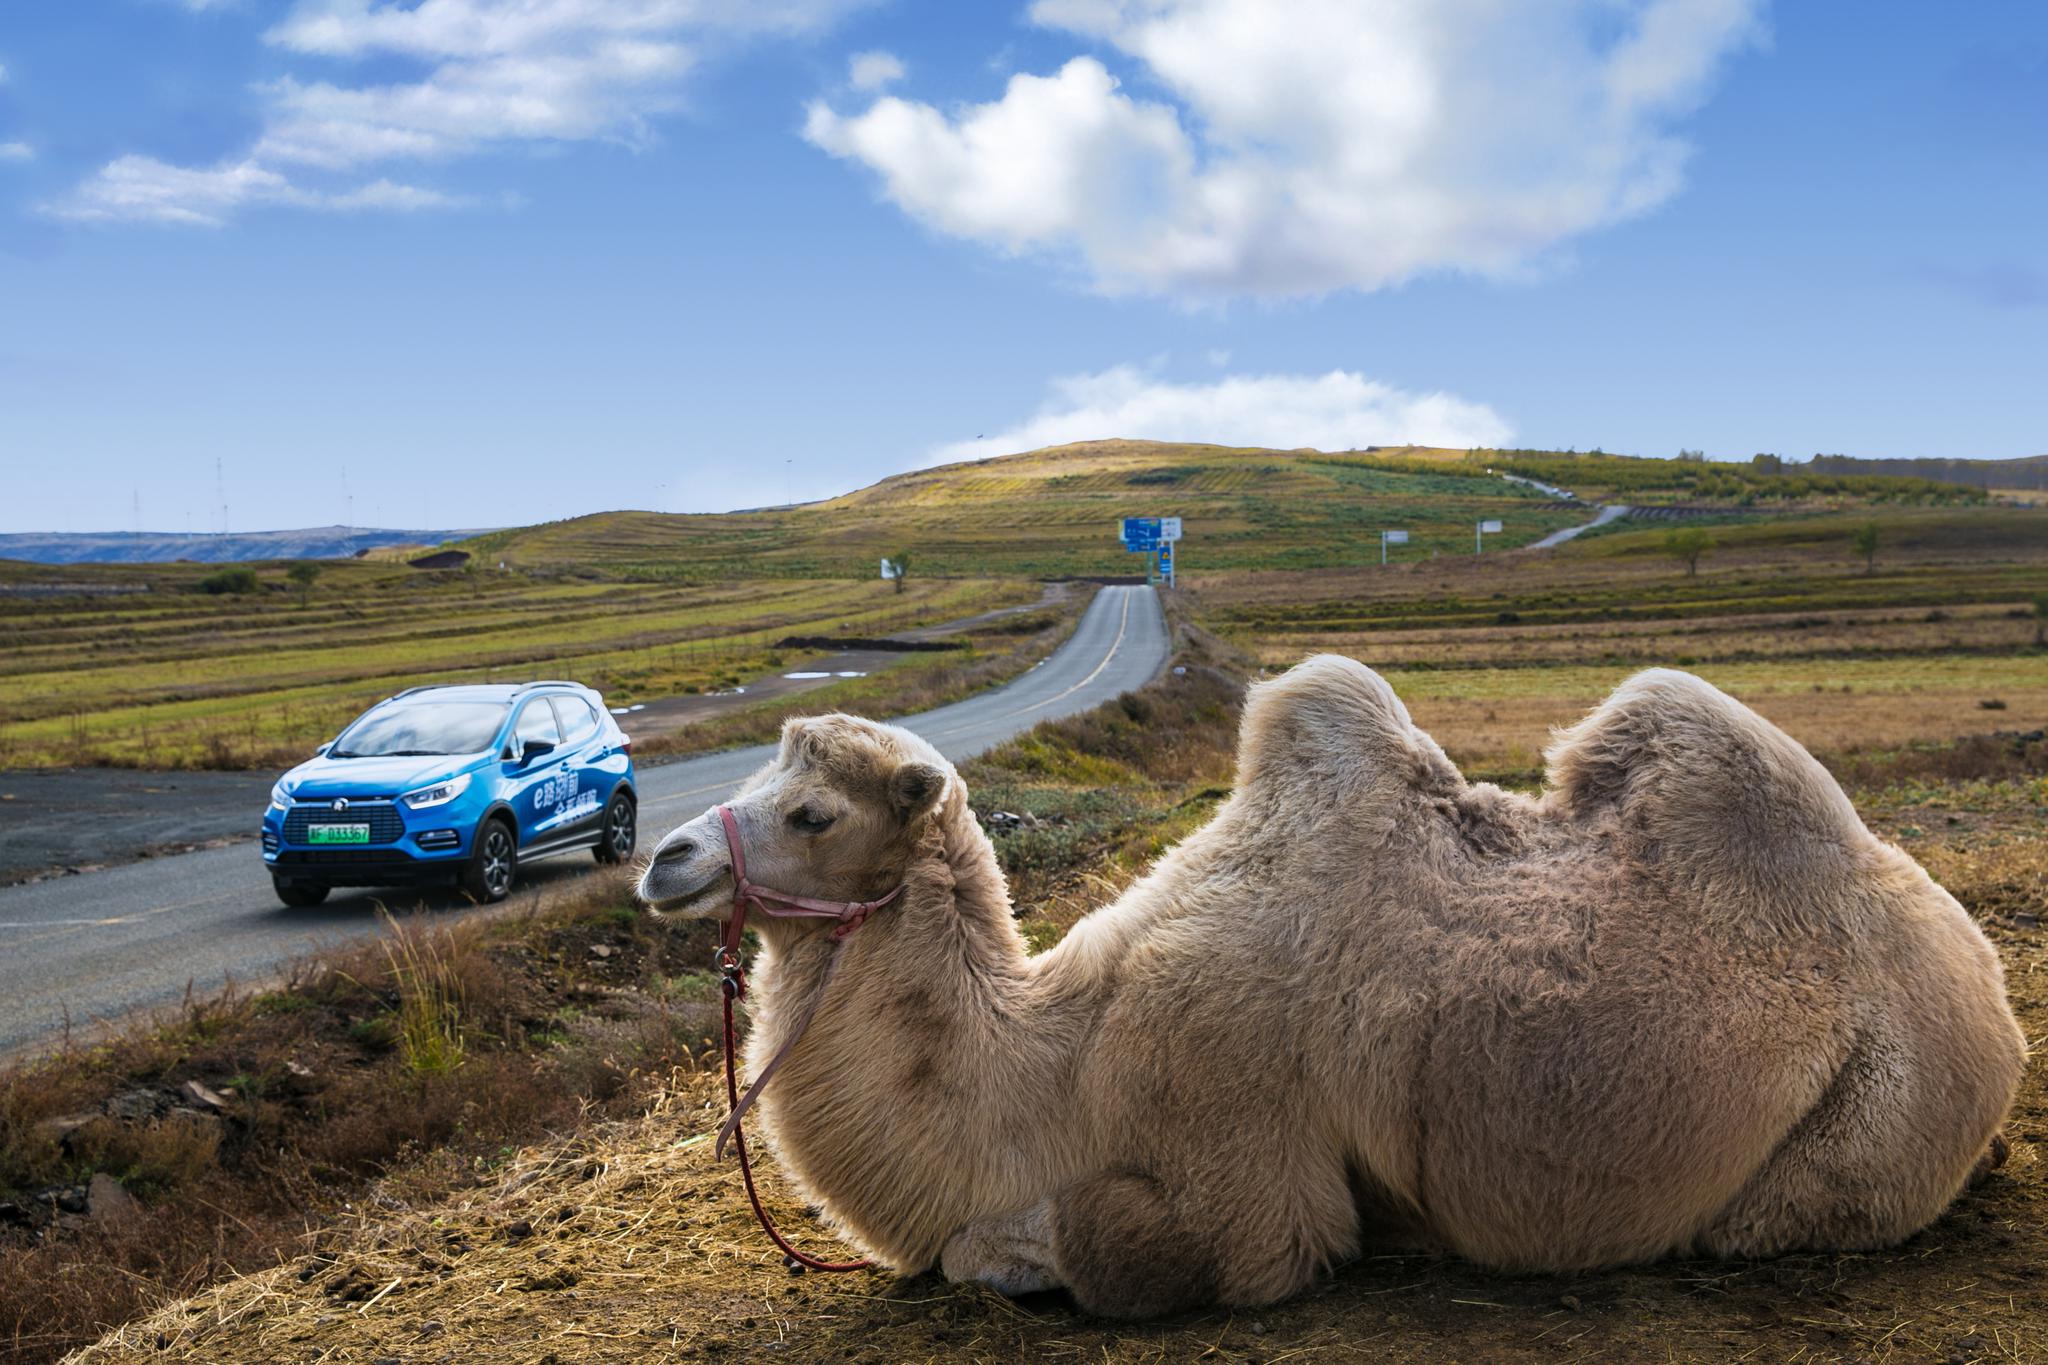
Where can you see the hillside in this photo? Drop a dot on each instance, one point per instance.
(2028, 472)
(163, 547)
(1055, 511)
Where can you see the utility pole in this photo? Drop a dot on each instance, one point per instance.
(220, 494)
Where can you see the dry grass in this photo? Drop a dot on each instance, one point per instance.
(421, 1061)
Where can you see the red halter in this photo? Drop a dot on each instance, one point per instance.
(733, 982)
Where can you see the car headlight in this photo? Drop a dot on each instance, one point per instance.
(278, 799)
(440, 794)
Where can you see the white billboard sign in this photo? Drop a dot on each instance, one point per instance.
(1395, 537)
(1491, 528)
(1169, 528)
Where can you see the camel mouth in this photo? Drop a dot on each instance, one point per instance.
(665, 894)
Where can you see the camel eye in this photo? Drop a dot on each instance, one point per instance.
(807, 821)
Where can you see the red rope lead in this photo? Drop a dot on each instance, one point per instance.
(791, 1257)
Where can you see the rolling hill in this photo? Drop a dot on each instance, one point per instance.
(1055, 511)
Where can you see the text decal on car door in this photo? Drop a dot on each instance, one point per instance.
(565, 795)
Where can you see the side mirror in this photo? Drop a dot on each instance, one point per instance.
(535, 748)
(322, 750)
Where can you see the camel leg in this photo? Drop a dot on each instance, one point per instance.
(1114, 1241)
(1125, 1252)
(1876, 1160)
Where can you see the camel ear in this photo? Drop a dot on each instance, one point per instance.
(915, 788)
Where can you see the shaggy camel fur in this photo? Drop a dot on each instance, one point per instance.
(1683, 1004)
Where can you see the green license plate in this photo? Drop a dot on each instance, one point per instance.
(337, 834)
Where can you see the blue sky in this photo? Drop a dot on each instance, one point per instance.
(476, 262)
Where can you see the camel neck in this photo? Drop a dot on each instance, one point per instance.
(933, 1063)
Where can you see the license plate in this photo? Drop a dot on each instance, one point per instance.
(337, 834)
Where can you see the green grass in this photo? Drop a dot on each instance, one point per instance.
(169, 676)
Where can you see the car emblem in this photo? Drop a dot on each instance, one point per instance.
(341, 803)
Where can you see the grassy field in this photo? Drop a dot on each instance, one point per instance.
(1939, 640)
(169, 675)
(139, 666)
(624, 1238)
(491, 1142)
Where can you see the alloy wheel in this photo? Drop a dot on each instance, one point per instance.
(497, 861)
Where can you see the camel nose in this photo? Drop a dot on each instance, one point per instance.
(676, 851)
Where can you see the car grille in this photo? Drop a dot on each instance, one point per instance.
(387, 826)
(340, 857)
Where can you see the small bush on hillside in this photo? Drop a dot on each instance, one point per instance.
(236, 579)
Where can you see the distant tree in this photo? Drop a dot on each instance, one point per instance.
(1864, 541)
(303, 575)
(1765, 463)
(236, 579)
(1693, 456)
(1686, 545)
(900, 563)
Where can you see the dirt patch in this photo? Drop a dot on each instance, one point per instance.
(883, 645)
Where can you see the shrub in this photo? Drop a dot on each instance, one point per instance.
(236, 579)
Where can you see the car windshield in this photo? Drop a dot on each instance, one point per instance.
(422, 727)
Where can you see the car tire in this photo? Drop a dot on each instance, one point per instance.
(621, 829)
(299, 895)
(493, 863)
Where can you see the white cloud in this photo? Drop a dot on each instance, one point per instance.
(16, 151)
(1341, 410)
(143, 189)
(1319, 145)
(497, 73)
(874, 70)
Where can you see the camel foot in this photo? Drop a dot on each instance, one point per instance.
(1011, 1254)
(1995, 1154)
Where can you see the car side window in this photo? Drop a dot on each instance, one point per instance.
(537, 722)
(579, 723)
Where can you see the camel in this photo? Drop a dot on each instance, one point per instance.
(1685, 1003)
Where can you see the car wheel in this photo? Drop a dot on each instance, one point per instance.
(299, 895)
(493, 863)
(621, 828)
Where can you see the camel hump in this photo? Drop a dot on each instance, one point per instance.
(1331, 722)
(1710, 790)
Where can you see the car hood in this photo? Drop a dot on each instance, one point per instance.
(325, 777)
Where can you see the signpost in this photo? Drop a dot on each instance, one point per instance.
(1153, 536)
(1391, 538)
(1489, 527)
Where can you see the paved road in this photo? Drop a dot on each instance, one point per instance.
(97, 945)
(1607, 514)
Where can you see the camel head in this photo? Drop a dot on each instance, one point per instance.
(836, 814)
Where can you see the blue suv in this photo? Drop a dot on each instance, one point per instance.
(457, 784)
